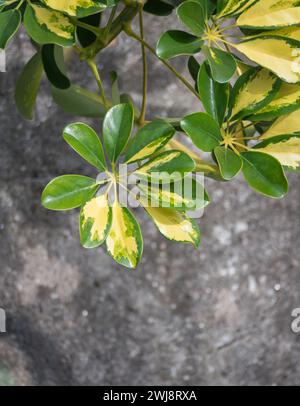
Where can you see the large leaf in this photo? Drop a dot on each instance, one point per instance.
(222, 64)
(169, 165)
(86, 143)
(192, 16)
(229, 163)
(124, 241)
(229, 7)
(279, 55)
(53, 62)
(203, 130)
(28, 85)
(286, 101)
(174, 43)
(95, 221)
(252, 91)
(214, 96)
(46, 26)
(186, 194)
(148, 140)
(117, 127)
(9, 23)
(264, 174)
(270, 14)
(76, 8)
(78, 101)
(289, 124)
(68, 192)
(285, 148)
(174, 225)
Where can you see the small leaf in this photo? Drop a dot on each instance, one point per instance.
(115, 91)
(158, 7)
(148, 140)
(9, 23)
(229, 163)
(28, 85)
(203, 130)
(264, 174)
(174, 225)
(53, 59)
(193, 67)
(174, 43)
(124, 242)
(214, 96)
(78, 101)
(46, 26)
(86, 143)
(191, 14)
(68, 192)
(76, 8)
(117, 127)
(95, 222)
(222, 64)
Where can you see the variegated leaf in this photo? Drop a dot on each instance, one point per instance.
(234, 7)
(289, 124)
(174, 225)
(124, 241)
(47, 26)
(76, 8)
(95, 221)
(286, 101)
(279, 55)
(253, 90)
(271, 14)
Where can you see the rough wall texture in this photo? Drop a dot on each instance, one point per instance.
(219, 315)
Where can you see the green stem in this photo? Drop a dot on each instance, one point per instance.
(130, 33)
(145, 71)
(110, 20)
(87, 27)
(94, 69)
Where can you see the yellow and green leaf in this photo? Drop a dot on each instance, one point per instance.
(286, 101)
(76, 8)
(124, 241)
(174, 225)
(271, 14)
(47, 26)
(279, 55)
(289, 124)
(252, 91)
(234, 7)
(95, 221)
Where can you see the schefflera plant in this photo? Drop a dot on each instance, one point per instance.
(102, 220)
(244, 62)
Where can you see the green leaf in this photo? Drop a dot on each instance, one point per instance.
(28, 85)
(148, 140)
(214, 96)
(229, 163)
(115, 91)
(53, 59)
(229, 7)
(86, 143)
(46, 26)
(158, 7)
(124, 242)
(76, 8)
(286, 101)
(117, 127)
(193, 67)
(68, 192)
(174, 43)
(252, 91)
(191, 14)
(169, 165)
(222, 64)
(264, 174)
(9, 23)
(86, 37)
(95, 222)
(203, 130)
(78, 101)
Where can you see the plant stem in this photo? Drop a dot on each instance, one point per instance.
(94, 69)
(145, 70)
(130, 33)
(110, 20)
(87, 27)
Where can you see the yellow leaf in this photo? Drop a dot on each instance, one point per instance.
(95, 221)
(286, 151)
(71, 6)
(124, 241)
(289, 124)
(234, 6)
(271, 13)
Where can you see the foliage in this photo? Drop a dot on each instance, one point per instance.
(248, 85)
